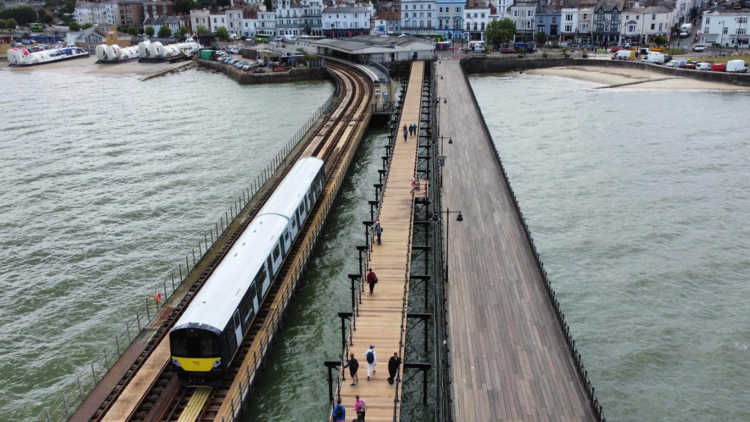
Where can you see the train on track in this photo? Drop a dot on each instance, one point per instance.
(210, 331)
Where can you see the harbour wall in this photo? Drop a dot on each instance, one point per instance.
(472, 66)
(242, 77)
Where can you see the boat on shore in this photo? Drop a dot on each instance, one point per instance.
(114, 54)
(23, 57)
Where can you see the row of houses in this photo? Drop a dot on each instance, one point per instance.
(291, 19)
(584, 21)
(122, 12)
(727, 25)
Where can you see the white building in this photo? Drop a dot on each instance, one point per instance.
(642, 24)
(728, 28)
(200, 18)
(266, 23)
(346, 21)
(418, 16)
(217, 21)
(112, 12)
(388, 22)
(173, 23)
(93, 13)
(476, 17)
(234, 22)
(249, 27)
(523, 14)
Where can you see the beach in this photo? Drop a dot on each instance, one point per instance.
(632, 78)
(88, 65)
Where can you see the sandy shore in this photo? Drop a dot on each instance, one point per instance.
(88, 65)
(634, 77)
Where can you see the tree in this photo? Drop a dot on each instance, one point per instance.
(2, 4)
(150, 31)
(500, 32)
(23, 15)
(132, 30)
(222, 34)
(269, 5)
(184, 30)
(202, 30)
(3, 24)
(165, 32)
(87, 25)
(223, 3)
(73, 26)
(540, 38)
(184, 6)
(70, 6)
(11, 24)
(660, 40)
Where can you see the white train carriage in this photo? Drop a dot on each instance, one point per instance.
(208, 334)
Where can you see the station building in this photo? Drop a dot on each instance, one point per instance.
(378, 48)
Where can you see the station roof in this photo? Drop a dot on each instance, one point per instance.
(369, 44)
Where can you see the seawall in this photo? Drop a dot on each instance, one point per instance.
(242, 77)
(508, 65)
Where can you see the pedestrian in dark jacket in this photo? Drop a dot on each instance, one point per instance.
(406, 132)
(371, 279)
(393, 364)
(353, 365)
(378, 231)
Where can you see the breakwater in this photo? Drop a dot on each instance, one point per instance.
(242, 77)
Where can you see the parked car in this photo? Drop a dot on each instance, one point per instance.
(689, 65)
(615, 49)
(249, 66)
(672, 63)
(626, 45)
(232, 51)
(737, 66)
(680, 63)
(624, 55)
(507, 51)
(667, 58)
(703, 66)
(699, 48)
(654, 57)
(238, 64)
(719, 67)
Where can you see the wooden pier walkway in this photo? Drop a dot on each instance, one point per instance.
(509, 359)
(380, 315)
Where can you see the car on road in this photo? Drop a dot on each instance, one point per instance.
(667, 58)
(737, 66)
(719, 67)
(699, 48)
(672, 63)
(615, 49)
(507, 51)
(689, 65)
(232, 51)
(703, 66)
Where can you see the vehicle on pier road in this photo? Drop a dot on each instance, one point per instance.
(206, 338)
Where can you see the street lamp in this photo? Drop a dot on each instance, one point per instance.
(721, 36)
(436, 216)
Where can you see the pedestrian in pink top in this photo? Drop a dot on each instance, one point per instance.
(360, 407)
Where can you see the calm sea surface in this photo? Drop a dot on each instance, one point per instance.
(638, 202)
(107, 183)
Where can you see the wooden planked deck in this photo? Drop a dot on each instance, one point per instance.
(379, 320)
(508, 355)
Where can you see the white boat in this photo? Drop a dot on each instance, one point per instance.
(23, 57)
(114, 54)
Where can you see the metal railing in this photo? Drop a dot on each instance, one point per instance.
(570, 342)
(86, 377)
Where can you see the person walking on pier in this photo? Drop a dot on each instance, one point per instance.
(372, 279)
(360, 407)
(372, 360)
(353, 365)
(414, 128)
(406, 133)
(393, 364)
(378, 230)
(339, 412)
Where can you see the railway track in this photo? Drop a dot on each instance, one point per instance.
(165, 399)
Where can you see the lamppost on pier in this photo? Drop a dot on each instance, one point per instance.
(436, 217)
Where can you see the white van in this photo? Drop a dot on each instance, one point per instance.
(624, 55)
(737, 66)
(654, 57)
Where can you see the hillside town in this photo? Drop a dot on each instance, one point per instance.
(597, 22)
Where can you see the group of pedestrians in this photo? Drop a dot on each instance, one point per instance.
(410, 130)
(339, 411)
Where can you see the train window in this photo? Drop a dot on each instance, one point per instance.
(179, 345)
(310, 197)
(286, 234)
(302, 208)
(194, 344)
(294, 221)
(260, 277)
(237, 321)
(276, 252)
(208, 349)
(246, 308)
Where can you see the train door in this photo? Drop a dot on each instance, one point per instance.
(302, 211)
(295, 227)
(272, 273)
(286, 242)
(237, 327)
(277, 258)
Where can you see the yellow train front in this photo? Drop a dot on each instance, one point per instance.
(208, 334)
